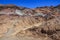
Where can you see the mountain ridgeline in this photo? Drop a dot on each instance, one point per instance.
(39, 22)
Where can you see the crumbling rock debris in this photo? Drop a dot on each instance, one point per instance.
(21, 23)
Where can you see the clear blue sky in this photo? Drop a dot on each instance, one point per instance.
(31, 3)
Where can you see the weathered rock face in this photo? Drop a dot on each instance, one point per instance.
(16, 23)
(20, 23)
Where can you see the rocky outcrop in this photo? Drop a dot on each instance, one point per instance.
(23, 23)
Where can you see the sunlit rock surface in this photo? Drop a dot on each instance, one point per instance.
(21, 23)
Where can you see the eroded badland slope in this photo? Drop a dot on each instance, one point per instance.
(21, 23)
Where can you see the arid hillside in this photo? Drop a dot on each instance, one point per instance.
(21, 23)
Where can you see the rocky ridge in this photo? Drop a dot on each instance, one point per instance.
(42, 23)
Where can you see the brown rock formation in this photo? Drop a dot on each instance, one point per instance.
(21, 23)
